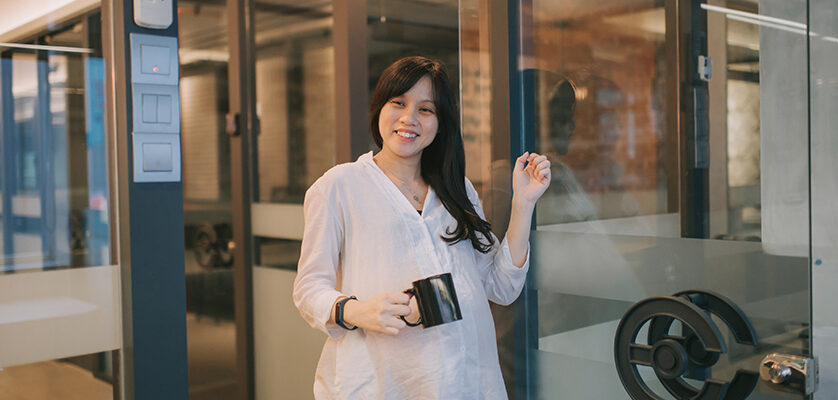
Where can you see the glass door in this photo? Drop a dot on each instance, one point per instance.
(60, 319)
(671, 257)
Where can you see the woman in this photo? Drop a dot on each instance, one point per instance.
(375, 225)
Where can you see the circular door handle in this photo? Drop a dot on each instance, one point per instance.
(670, 355)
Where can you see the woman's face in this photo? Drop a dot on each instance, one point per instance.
(408, 123)
(561, 133)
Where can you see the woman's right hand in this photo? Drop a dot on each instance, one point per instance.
(380, 314)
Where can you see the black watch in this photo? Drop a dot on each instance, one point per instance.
(339, 313)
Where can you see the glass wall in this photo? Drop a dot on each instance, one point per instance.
(294, 84)
(208, 215)
(295, 94)
(679, 164)
(55, 271)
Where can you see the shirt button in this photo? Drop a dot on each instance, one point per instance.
(462, 349)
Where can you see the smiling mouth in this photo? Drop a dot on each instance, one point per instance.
(405, 135)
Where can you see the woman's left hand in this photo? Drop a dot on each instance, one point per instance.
(530, 178)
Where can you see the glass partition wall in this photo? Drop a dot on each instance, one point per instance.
(207, 204)
(55, 218)
(295, 102)
(678, 134)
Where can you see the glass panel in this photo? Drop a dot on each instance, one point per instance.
(823, 56)
(484, 101)
(295, 85)
(55, 272)
(296, 144)
(656, 191)
(211, 331)
(55, 191)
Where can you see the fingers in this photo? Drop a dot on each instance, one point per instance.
(391, 326)
(399, 309)
(519, 163)
(544, 175)
(390, 331)
(541, 162)
(399, 298)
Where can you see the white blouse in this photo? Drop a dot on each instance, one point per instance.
(363, 238)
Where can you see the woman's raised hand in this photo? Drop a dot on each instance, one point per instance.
(530, 177)
(380, 314)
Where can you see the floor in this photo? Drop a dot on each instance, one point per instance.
(212, 370)
(52, 380)
(212, 358)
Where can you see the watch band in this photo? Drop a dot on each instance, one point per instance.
(339, 313)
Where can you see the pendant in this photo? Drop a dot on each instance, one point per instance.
(415, 198)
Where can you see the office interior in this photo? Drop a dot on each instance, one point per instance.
(693, 144)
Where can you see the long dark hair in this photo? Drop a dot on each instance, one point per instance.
(443, 162)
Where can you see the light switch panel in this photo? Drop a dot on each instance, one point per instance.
(156, 108)
(154, 59)
(164, 109)
(149, 108)
(156, 157)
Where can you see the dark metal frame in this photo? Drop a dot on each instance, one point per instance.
(521, 139)
(243, 165)
(7, 146)
(351, 69)
(44, 160)
(693, 124)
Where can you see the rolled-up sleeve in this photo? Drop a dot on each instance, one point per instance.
(503, 280)
(315, 287)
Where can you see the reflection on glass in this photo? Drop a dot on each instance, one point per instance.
(211, 332)
(54, 218)
(54, 204)
(294, 96)
(584, 114)
(635, 188)
(280, 253)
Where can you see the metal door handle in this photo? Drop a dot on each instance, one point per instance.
(669, 355)
(793, 373)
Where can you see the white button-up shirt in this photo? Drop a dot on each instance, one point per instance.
(364, 238)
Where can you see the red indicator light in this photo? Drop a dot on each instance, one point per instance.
(155, 69)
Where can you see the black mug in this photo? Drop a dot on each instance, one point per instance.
(436, 299)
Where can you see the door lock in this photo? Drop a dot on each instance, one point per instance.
(705, 68)
(790, 373)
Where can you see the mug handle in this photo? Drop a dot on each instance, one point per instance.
(410, 292)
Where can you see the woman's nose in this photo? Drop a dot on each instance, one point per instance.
(408, 116)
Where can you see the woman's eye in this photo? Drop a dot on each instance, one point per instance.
(397, 102)
(427, 110)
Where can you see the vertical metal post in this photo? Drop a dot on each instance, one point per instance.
(670, 152)
(695, 127)
(522, 138)
(8, 135)
(42, 132)
(351, 79)
(241, 73)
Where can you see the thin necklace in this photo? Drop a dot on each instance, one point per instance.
(402, 185)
